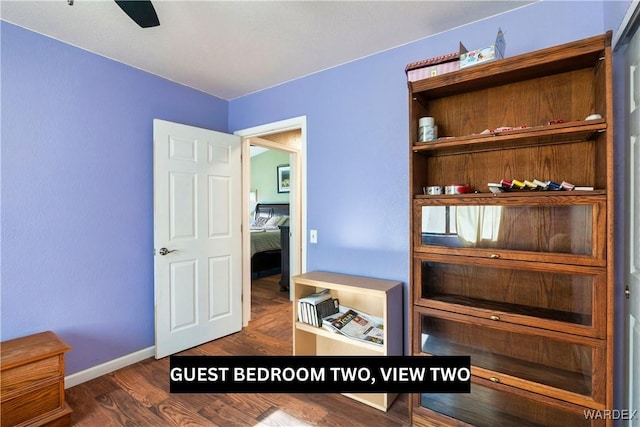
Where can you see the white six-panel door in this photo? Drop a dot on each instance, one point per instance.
(197, 236)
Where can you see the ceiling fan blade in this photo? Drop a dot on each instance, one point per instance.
(141, 11)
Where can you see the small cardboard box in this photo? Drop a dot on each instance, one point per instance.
(484, 54)
(454, 61)
(433, 66)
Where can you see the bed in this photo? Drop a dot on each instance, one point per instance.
(266, 248)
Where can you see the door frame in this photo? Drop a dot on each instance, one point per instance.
(297, 198)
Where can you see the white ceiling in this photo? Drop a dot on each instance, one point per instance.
(233, 48)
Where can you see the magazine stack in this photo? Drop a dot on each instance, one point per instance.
(313, 308)
(356, 325)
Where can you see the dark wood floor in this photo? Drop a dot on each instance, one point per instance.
(138, 395)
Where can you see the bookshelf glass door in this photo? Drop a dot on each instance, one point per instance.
(506, 356)
(564, 298)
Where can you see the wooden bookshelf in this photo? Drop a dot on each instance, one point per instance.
(528, 268)
(376, 297)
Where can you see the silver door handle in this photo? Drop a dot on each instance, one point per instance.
(165, 251)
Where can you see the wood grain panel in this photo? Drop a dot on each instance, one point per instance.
(32, 404)
(21, 376)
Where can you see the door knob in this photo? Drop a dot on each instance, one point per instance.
(165, 251)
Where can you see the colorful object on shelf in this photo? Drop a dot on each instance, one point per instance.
(517, 184)
(534, 184)
(483, 54)
(502, 129)
(555, 122)
(562, 121)
(427, 129)
(443, 64)
(593, 117)
(457, 189)
(433, 66)
(495, 188)
(433, 190)
(553, 185)
(540, 184)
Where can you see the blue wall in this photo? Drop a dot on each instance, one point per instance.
(77, 210)
(77, 180)
(358, 141)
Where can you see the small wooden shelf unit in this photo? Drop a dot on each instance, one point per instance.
(377, 297)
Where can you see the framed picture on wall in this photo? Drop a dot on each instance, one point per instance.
(283, 178)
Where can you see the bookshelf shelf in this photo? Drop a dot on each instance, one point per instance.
(578, 131)
(374, 350)
(376, 297)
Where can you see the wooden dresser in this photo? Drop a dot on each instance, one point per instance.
(32, 381)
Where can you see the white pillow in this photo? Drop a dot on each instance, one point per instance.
(259, 223)
(273, 222)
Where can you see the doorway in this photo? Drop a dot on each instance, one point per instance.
(270, 136)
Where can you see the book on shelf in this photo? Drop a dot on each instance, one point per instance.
(305, 303)
(326, 308)
(354, 324)
(312, 308)
(316, 297)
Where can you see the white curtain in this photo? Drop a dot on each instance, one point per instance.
(476, 223)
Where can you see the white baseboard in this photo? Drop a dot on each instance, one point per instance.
(107, 367)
